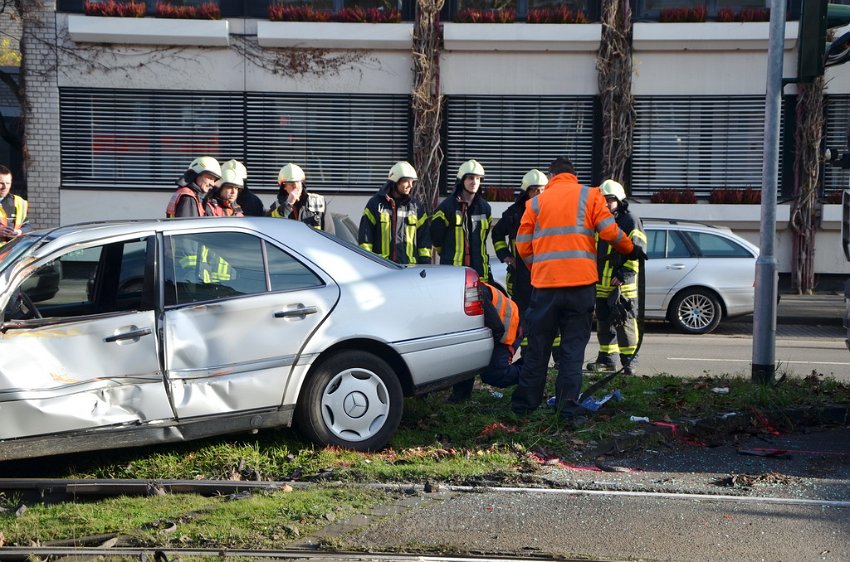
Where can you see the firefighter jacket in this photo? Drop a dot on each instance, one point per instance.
(504, 242)
(309, 209)
(209, 269)
(459, 232)
(395, 229)
(13, 212)
(186, 202)
(215, 207)
(556, 235)
(612, 264)
(501, 315)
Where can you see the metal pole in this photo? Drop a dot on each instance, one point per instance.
(764, 317)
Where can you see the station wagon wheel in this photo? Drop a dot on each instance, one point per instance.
(352, 400)
(695, 311)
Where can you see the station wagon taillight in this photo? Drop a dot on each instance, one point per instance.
(472, 305)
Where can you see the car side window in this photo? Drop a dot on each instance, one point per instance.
(714, 246)
(656, 242)
(207, 266)
(288, 274)
(676, 246)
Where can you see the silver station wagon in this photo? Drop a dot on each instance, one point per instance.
(170, 330)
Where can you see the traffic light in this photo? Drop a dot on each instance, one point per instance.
(814, 51)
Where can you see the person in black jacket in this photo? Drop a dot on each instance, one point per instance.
(394, 224)
(251, 205)
(461, 223)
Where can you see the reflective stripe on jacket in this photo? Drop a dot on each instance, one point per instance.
(309, 210)
(508, 313)
(21, 207)
(556, 236)
(215, 272)
(395, 230)
(610, 263)
(184, 191)
(456, 226)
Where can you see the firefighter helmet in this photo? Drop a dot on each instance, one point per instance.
(402, 170)
(470, 167)
(206, 164)
(290, 172)
(611, 188)
(236, 166)
(230, 176)
(534, 178)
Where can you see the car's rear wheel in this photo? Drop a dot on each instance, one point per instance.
(695, 311)
(352, 400)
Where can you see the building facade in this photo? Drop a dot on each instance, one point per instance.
(119, 106)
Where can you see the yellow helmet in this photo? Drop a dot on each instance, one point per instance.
(230, 176)
(206, 164)
(402, 170)
(533, 178)
(237, 166)
(470, 167)
(290, 172)
(611, 188)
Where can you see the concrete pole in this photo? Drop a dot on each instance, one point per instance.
(764, 317)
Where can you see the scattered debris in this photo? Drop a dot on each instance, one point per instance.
(758, 452)
(750, 480)
(720, 390)
(637, 419)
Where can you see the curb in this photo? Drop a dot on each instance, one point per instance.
(709, 432)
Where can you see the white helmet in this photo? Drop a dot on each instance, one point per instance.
(611, 188)
(290, 172)
(230, 176)
(402, 170)
(206, 164)
(236, 166)
(533, 178)
(470, 167)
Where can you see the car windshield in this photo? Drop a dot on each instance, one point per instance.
(11, 252)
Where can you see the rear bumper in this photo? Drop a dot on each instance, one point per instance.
(440, 359)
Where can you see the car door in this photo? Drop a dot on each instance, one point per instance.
(239, 310)
(670, 262)
(85, 354)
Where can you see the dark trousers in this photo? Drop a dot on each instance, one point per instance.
(500, 373)
(570, 310)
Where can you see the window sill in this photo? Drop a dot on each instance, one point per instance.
(521, 36)
(335, 35)
(149, 31)
(708, 36)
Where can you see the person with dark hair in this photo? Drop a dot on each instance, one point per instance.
(251, 205)
(394, 224)
(13, 209)
(193, 185)
(221, 200)
(617, 289)
(461, 223)
(557, 240)
(294, 202)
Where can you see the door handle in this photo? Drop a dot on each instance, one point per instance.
(296, 312)
(128, 335)
(676, 266)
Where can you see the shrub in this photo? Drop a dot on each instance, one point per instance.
(834, 198)
(114, 8)
(683, 15)
(474, 15)
(303, 12)
(728, 15)
(732, 196)
(205, 11)
(557, 14)
(675, 196)
(358, 14)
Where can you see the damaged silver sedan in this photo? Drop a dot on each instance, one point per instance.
(130, 333)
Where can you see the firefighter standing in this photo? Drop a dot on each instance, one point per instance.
(294, 202)
(556, 240)
(461, 223)
(221, 200)
(617, 328)
(394, 224)
(194, 184)
(13, 209)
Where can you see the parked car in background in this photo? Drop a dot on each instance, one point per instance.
(172, 330)
(697, 274)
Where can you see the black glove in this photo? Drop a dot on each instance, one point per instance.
(638, 254)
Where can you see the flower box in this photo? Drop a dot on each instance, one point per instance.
(335, 35)
(521, 36)
(708, 36)
(148, 31)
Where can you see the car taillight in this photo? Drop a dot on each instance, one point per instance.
(472, 305)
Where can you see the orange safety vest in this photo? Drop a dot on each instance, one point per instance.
(508, 312)
(21, 207)
(171, 209)
(556, 235)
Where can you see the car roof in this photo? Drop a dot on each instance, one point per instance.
(679, 222)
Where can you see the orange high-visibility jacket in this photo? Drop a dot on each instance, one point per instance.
(508, 314)
(556, 235)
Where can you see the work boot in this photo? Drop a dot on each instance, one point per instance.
(603, 363)
(630, 363)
